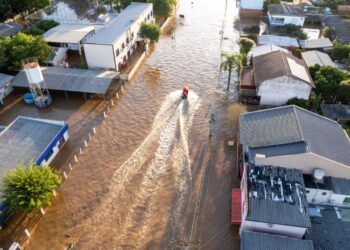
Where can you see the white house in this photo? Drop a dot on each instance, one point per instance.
(279, 77)
(113, 44)
(274, 201)
(251, 7)
(292, 137)
(285, 13)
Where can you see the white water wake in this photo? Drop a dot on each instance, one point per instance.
(161, 163)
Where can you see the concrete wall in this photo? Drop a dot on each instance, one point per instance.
(307, 163)
(318, 196)
(99, 56)
(279, 90)
(299, 21)
(252, 4)
(4, 92)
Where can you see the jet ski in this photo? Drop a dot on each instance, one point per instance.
(184, 92)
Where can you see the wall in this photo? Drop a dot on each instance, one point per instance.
(99, 56)
(4, 92)
(279, 90)
(253, 5)
(318, 196)
(307, 163)
(299, 21)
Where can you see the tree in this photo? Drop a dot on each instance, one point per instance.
(46, 25)
(22, 46)
(246, 45)
(298, 102)
(163, 8)
(3, 57)
(150, 32)
(34, 31)
(27, 188)
(230, 62)
(327, 80)
(340, 52)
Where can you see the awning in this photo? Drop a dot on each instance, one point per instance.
(236, 211)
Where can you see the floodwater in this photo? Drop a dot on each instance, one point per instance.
(145, 181)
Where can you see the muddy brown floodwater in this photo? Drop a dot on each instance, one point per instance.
(140, 183)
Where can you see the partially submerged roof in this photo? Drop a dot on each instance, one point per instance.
(278, 64)
(5, 80)
(265, 49)
(283, 41)
(9, 29)
(67, 79)
(68, 33)
(320, 43)
(291, 124)
(277, 196)
(111, 33)
(263, 241)
(342, 30)
(24, 140)
(336, 111)
(340, 185)
(285, 9)
(314, 57)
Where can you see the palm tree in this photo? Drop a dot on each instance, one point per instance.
(230, 62)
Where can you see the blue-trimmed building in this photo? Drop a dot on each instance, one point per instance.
(29, 139)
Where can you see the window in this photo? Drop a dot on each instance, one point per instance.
(117, 52)
(324, 193)
(270, 225)
(307, 191)
(151, 13)
(148, 16)
(277, 19)
(127, 40)
(347, 200)
(123, 45)
(132, 35)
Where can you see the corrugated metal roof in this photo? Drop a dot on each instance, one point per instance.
(5, 79)
(314, 57)
(68, 33)
(286, 9)
(342, 30)
(320, 43)
(291, 124)
(24, 140)
(9, 29)
(265, 49)
(263, 241)
(283, 41)
(340, 185)
(67, 79)
(120, 24)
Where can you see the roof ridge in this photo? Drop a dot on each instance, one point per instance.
(299, 126)
(315, 114)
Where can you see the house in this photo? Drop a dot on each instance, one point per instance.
(312, 15)
(285, 13)
(279, 77)
(251, 8)
(112, 45)
(341, 29)
(323, 44)
(293, 137)
(9, 29)
(29, 139)
(263, 241)
(314, 57)
(5, 87)
(266, 49)
(336, 111)
(281, 41)
(274, 201)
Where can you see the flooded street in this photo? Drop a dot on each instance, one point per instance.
(152, 177)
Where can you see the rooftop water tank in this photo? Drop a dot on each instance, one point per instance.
(318, 175)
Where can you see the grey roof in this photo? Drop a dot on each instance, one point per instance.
(9, 29)
(5, 79)
(283, 41)
(24, 140)
(68, 33)
(340, 185)
(278, 64)
(268, 204)
(320, 43)
(265, 49)
(291, 124)
(336, 111)
(285, 9)
(314, 57)
(67, 79)
(111, 33)
(330, 231)
(342, 30)
(263, 241)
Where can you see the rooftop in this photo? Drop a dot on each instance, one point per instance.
(5, 79)
(75, 80)
(342, 30)
(291, 124)
(68, 33)
(277, 64)
(262, 241)
(265, 49)
(283, 41)
(337, 185)
(331, 229)
(314, 57)
(9, 29)
(336, 111)
(285, 9)
(24, 140)
(320, 43)
(277, 196)
(112, 31)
